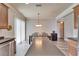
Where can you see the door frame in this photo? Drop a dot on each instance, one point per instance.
(59, 23)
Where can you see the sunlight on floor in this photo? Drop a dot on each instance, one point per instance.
(22, 48)
(38, 43)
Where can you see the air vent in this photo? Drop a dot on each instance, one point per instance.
(38, 5)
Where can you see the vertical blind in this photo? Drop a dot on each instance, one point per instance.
(19, 30)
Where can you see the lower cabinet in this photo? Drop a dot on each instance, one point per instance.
(11, 48)
(72, 48)
(4, 49)
(7, 49)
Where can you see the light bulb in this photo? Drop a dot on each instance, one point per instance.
(61, 22)
(39, 25)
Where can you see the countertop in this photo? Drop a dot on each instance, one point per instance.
(6, 40)
(73, 38)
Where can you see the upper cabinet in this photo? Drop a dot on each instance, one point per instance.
(3, 16)
(76, 13)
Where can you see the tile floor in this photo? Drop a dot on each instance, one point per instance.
(21, 49)
(62, 46)
(43, 47)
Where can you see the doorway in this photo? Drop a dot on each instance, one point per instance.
(61, 29)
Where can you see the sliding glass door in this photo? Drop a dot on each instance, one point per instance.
(19, 30)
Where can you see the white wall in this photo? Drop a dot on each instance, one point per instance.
(69, 30)
(69, 25)
(48, 26)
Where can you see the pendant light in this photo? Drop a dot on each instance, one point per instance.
(38, 25)
(38, 14)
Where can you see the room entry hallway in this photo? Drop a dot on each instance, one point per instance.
(42, 46)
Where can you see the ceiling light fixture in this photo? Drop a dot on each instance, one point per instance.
(27, 3)
(38, 14)
(61, 22)
(38, 25)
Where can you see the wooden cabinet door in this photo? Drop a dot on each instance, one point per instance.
(72, 48)
(3, 16)
(76, 14)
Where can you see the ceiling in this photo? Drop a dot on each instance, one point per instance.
(47, 10)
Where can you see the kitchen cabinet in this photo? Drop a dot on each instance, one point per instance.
(3, 16)
(72, 47)
(4, 49)
(76, 13)
(7, 47)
